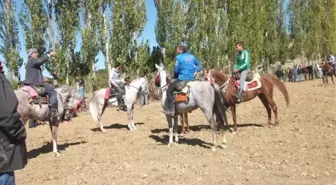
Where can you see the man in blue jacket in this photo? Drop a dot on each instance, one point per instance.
(184, 71)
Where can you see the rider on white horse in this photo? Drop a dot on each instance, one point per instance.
(118, 85)
(185, 68)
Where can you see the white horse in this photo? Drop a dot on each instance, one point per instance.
(66, 96)
(202, 94)
(98, 106)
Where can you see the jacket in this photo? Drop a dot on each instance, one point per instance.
(185, 66)
(13, 151)
(115, 77)
(242, 61)
(34, 72)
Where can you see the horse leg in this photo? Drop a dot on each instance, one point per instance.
(186, 121)
(54, 131)
(170, 128)
(274, 107)
(264, 100)
(130, 117)
(175, 128)
(133, 125)
(332, 78)
(210, 118)
(182, 124)
(233, 112)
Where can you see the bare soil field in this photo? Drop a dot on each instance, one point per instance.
(301, 150)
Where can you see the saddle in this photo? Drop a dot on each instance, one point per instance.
(252, 81)
(114, 92)
(38, 94)
(182, 91)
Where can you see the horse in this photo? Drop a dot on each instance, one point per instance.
(97, 104)
(33, 105)
(197, 94)
(259, 86)
(327, 71)
(184, 116)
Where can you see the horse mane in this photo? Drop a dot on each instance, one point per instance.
(217, 75)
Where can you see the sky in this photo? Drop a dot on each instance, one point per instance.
(148, 33)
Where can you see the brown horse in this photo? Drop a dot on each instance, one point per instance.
(259, 86)
(184, 123)
(328, 71)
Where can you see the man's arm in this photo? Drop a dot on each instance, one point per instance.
(246, 61)
(198, 65)
(10, 123)
(40, 61)
(176, 68)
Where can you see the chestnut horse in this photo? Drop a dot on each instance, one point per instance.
(264, 90)
(328, 71)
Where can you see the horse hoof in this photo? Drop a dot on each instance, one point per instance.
(169, 144)
(57, 154)
(175, 143)
(103, 130)
(214, 149)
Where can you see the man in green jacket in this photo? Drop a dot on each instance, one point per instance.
(243, 67)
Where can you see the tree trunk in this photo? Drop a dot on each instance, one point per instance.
(107, 58)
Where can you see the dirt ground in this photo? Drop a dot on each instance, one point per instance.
(301, 150)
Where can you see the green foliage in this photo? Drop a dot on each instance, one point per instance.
(9, 37)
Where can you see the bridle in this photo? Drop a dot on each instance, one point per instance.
(166, 85)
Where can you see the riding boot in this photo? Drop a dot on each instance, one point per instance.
(170, 108)
(121, 104)
(239, 95)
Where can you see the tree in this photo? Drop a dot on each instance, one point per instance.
(9, 39)
(34, 21)
(128, 21)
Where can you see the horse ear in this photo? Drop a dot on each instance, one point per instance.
(157, 67)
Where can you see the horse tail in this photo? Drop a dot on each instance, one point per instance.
(94, 109)
(281, 86)
(219, 104)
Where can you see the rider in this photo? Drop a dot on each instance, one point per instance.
(242, 66)
(332, 61)
(118, 85)
(34, 77)
(186, 66)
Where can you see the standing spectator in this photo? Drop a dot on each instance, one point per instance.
(279, 73)
(13, 151)
(299, 73)
(305, 72)
(294, 73)
(319, 71)
(290, 74)
(310, 72)
(144, 95)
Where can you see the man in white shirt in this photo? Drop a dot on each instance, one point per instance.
(117, 85)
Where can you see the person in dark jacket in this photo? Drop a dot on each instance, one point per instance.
(34, 77)
(13, 151)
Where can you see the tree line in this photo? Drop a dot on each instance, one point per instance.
(271, 30)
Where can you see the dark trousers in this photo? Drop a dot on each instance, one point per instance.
(170, 93)
(52, 95)
(7, 178)
(120, 92)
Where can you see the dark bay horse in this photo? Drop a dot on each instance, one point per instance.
(327, 71)
(259, 86)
